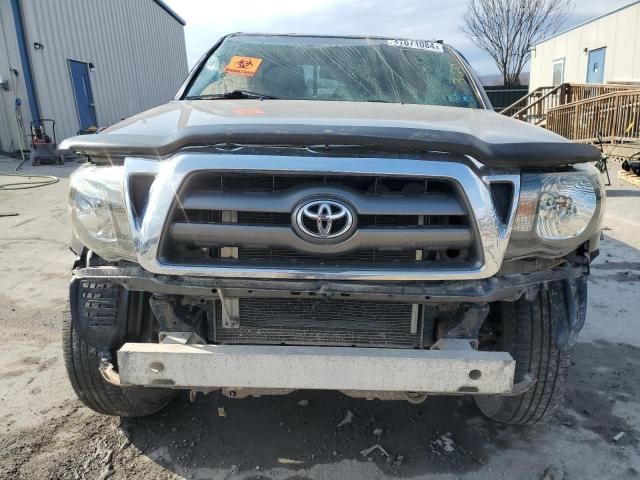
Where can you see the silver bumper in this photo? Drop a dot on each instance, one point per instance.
(457, 369)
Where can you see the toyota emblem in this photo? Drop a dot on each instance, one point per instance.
(323, 220)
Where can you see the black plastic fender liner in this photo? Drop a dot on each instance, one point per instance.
(89, 345)
(99, 311)
(573, 293)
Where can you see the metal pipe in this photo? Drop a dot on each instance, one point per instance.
(34, 107)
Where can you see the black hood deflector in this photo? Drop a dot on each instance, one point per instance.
(500, 155)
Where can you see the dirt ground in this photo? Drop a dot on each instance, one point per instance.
(45, 432)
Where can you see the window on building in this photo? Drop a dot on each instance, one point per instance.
(558, 72)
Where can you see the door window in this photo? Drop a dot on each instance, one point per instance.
(558, 72)
(595, 72)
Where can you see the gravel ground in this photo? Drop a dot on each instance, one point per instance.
(45, 432)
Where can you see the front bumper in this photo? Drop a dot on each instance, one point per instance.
(508, 287)
(454, 370)
(451, 366)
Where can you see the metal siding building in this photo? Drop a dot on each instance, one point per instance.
(129, 55)
(603, 50)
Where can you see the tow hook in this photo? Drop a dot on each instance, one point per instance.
(522, 386)
(109, 373)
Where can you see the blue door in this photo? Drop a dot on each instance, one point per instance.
(595, 74)
(81, 84)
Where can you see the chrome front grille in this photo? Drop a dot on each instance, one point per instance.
(278, 256)
(246, 219)
(184, 226)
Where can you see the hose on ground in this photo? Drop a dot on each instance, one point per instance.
(45, 179)
(38, 181)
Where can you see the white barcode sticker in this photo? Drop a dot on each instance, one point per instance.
(417, 44)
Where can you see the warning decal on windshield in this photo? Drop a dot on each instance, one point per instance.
(417, 44)
(243, 65)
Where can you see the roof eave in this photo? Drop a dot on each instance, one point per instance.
(170, 11)
(587, 22)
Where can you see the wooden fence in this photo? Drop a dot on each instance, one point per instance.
(584, 91)
(615, 116)
(534, 107)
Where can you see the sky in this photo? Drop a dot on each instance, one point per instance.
(208, 20)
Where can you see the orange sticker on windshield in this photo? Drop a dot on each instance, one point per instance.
(243, 65)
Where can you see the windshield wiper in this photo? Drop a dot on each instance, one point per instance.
(235, 94)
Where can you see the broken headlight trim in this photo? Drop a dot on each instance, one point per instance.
(558, 206)
(98, 213)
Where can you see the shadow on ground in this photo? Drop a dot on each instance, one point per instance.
(258, 431)
(623, 193)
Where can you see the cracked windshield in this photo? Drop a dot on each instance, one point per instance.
(335, 69)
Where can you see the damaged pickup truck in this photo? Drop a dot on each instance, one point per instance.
(337, 213)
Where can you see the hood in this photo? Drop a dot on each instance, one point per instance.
(489, 137)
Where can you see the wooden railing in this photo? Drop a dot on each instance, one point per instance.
(583, 91)
(615, 116)
(534, 107)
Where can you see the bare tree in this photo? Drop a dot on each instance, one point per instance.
(508, 29)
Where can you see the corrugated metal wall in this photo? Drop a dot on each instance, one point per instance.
(10, 58)
(137, 48)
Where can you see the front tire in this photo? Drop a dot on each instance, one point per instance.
(528, 330)
(82, 360)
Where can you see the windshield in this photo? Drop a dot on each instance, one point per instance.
(336, 69)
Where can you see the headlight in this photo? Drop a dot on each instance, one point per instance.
(556, 211)
(566, 206)
(98, 213)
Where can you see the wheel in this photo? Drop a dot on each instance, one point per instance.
(82, 360)
(528, 331)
